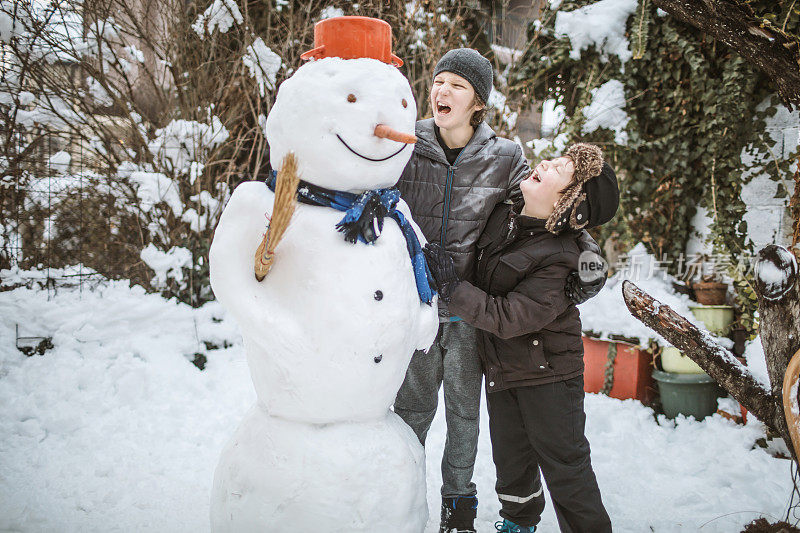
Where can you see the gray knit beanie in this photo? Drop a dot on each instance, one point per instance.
(470, 65)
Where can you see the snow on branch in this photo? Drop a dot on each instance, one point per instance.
(221, 14)
(263, 65)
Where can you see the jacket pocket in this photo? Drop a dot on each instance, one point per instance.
(510, 271)
(517, 262)
(536, 351)
(522, 358)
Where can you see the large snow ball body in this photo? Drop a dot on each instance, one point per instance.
(278, 475)
(326, 114)
(330, 331)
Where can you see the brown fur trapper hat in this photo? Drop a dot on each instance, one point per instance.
(574, 208)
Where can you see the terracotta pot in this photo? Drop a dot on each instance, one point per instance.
(710, 292)
(632, 368)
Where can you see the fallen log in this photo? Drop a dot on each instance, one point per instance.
(717, 361)
(776, 285)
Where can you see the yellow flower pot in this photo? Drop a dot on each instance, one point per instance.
(672, 360)
(716, 318)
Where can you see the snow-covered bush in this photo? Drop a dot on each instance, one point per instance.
(123, 129)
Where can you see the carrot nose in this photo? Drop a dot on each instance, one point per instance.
(385, 132)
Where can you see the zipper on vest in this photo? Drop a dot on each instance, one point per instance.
(480, 269)
(448, 189)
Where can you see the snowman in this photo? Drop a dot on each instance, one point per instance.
(330, 330)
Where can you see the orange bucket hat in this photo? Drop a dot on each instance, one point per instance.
(353, 38)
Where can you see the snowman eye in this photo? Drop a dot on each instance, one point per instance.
(405, 104)
(351, 98)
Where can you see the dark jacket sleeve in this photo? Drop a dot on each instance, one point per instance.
(533, 304)
(587, 244)
(519, 171)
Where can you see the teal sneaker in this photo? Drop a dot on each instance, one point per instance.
(507, 526)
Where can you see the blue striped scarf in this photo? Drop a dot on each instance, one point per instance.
(363, 221)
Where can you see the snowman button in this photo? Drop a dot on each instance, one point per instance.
(379, 295)
(378, 359)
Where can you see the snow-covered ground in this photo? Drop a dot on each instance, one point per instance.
(114, 429)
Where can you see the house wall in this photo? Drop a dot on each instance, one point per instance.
(767, 217)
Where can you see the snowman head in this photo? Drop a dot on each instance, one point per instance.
(327, 114)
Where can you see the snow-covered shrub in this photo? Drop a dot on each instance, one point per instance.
(125, 130)
(122, 132)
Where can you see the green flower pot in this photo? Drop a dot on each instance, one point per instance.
(687, 394)
(716, 318)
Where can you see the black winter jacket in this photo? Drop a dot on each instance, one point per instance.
(529, 332)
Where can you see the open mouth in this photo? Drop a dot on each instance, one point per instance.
(535, 176)
(370, 158)
(442, 109)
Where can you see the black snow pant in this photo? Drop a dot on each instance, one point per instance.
(541, 427)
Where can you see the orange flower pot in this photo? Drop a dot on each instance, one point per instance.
(632, 370)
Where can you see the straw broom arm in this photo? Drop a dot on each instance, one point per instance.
(282, 211)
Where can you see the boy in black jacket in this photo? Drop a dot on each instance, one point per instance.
(459, 172)
(530, 339)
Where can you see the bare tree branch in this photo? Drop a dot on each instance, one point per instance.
(717, 361)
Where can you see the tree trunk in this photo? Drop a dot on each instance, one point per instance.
(718, 362)
(778, 310)
(767, 47)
